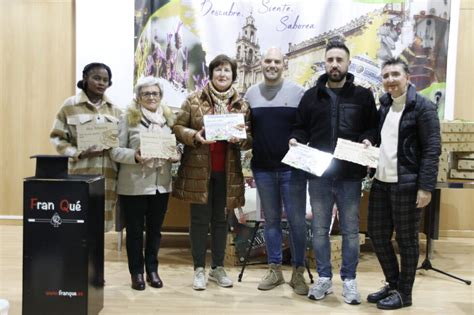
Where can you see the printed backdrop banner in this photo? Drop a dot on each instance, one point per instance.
(175, 40)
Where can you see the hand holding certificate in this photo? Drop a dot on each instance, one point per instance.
(102, 136)
(158, 145)
(308, 159)
(224, 127)
(356, 153)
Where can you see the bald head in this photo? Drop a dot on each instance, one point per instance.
(274, 52)
(272, 66)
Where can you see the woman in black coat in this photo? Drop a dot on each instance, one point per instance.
(409, 138)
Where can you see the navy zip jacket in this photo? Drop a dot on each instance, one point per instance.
(324, 116)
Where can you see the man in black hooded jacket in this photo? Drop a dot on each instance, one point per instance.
(336, 108)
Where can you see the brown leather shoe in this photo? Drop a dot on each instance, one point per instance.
(154, 279)
(138, 283)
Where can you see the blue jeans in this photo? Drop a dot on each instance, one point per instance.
(323, 194)
(278, 191)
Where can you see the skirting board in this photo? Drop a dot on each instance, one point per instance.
(456, 233)
(11, 217)
(18, 220)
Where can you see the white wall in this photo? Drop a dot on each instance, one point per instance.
(452, 54)
(104, 33)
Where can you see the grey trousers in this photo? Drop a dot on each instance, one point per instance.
(214, 214)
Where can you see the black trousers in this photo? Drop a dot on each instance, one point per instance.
(391, 209)
(140, 211)
(213, 213)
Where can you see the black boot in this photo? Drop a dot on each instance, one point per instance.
(154, 279)
(138, 283)
(394, 301)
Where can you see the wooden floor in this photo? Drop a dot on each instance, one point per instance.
(433, 293)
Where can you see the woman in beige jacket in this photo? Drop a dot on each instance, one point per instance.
(89, 105)
(143, 184)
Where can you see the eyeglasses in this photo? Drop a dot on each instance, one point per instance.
(150, 94)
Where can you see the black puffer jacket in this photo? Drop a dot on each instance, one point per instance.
(322, 119)
(419, 141)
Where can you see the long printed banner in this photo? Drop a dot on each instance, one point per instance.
(175, 40)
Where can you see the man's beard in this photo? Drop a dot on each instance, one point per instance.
(337, 78)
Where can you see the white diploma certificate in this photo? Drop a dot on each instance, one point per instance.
(158, 145)
(357, 153)
(103, 135)
(308, 159)
(224, 127)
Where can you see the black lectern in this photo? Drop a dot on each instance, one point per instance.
(63, 240)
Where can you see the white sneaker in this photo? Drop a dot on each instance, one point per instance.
(350, 293)
(219, 276)
(199, 282)
(320, 289)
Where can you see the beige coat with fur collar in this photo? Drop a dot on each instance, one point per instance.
(134, 178)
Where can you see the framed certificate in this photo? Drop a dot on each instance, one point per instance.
(224, 127)
(158, 145)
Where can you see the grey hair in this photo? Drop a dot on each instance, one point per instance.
(396, 61)
(145, 82)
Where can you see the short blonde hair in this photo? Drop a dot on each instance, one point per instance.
(147, 81)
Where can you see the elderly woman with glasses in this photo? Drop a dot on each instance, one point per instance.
(144, 184)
